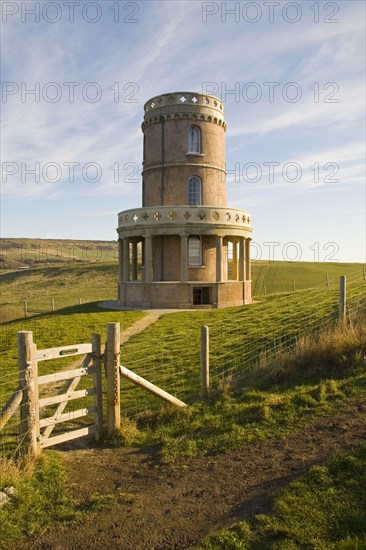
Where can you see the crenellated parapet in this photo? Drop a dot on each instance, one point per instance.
(184, 106)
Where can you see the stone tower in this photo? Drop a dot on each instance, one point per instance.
(184, 248)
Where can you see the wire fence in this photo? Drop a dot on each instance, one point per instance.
(169, 354)
(22, 309)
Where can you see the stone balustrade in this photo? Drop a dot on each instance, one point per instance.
(178, 215)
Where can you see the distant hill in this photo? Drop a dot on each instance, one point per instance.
(15, 253)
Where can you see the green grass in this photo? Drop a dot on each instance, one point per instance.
(278, 277)
(65, 327)
(65, 285)
(40, 499)
(325, 509)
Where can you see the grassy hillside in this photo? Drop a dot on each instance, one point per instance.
(273, 277)
(66, 284)
(15, 253)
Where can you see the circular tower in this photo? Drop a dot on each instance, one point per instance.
(184, 248)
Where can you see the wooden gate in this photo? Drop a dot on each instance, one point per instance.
(35, 427)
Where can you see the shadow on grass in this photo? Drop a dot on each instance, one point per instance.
(90, 307)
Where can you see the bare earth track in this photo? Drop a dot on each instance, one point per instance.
(161, 507)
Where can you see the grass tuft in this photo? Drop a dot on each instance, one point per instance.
(333, 354)
(40, 499)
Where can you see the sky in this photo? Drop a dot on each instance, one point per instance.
(76, 76)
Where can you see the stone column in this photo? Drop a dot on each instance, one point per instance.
(125, 259)
(148, 259)
(120, 260)
(183, 258)
(242, 259)
(235, 260)
(248, 274)
(134, 260)
(219, 241)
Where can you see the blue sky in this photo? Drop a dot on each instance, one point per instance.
(295, 159)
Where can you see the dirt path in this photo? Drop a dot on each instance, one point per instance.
(152, 315)
(163, 507)
(140, 325)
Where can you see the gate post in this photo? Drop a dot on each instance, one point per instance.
(113, 378)
(97, 382)
(28, 383)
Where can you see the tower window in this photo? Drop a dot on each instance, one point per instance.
(194, 140)
(194, 251)
(194, 191)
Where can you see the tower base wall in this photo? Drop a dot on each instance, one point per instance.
(177, 295)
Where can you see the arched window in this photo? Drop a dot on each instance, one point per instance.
(194, 191)
(194, 250)
(194, 140)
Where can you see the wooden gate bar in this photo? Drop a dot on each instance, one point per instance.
(53, 400)
(65, 375)
(62, 351)
(139, 381)
(68, 436)
(10, 407)
(66, 417)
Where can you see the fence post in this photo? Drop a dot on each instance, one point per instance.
(28, 383)
(97, 382)
(25, 308)
(342, 298)
(53, 304)
(293, 285)
(205, 362)
(113, 378)
(326, 279)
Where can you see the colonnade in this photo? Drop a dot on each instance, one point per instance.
(128, 258)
